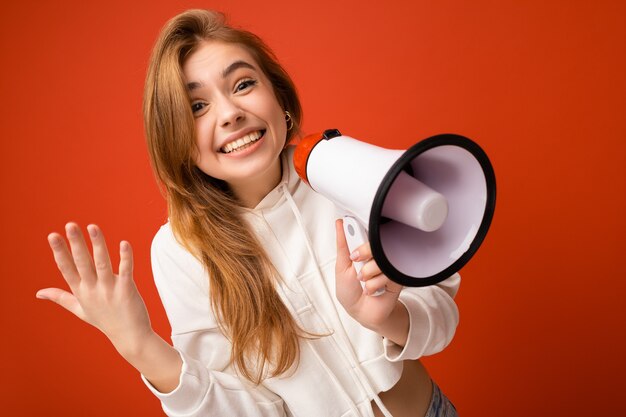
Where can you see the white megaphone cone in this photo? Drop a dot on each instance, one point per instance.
(426, 209)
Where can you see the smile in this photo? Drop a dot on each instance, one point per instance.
(242, 143)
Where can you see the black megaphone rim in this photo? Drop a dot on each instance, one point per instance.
(377, 206)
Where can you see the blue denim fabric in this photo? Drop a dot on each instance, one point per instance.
(440, 405)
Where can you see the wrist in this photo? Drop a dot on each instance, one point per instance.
(156, 360)
(396, 326)
(132, 346)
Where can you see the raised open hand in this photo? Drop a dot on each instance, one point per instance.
(107, 301)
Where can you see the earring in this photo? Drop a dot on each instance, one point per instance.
(289, 120)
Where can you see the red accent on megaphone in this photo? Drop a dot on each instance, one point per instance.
(302, 152)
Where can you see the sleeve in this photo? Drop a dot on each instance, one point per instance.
(208, 384)
(433, 318)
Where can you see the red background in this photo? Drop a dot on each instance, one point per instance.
(541, 85)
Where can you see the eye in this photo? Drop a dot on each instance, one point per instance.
(197, 107)
(244, 84)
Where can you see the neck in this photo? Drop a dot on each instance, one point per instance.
(251, 192)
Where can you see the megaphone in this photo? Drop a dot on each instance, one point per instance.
(425, 210)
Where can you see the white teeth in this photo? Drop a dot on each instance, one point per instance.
(238, 143)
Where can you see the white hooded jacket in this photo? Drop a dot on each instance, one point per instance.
(338, 375)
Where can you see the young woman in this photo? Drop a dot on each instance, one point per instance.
(268, 315)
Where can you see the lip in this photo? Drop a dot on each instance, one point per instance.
(237, 135)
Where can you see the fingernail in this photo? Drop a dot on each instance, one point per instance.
(41, 297)
(53, 240)
(93, 231)
(354, 255)
(72, 230)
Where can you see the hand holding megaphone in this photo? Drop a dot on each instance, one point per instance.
(426, 210)
(355, 237)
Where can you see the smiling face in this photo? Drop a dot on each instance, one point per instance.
(240, 125)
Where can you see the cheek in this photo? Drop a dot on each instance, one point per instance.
(272, 112)
(203, 135)
(278, 120)
(203, 151)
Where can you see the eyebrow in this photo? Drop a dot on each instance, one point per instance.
(235, 66)
(227, 71)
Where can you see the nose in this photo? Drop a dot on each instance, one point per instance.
(229, 113)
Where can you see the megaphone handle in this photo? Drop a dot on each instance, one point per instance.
(355, 237)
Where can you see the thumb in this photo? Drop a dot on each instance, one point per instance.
(65, 299)
(343, 253)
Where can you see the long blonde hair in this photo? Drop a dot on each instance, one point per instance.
(203, 211)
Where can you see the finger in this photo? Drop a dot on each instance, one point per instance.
(343, 254)
(63, 298)
(369, 270)
(372, 285)
(126, 260)
(362, 253)
(80, 253)
(380, 282)
(63, 259)
(101, 258)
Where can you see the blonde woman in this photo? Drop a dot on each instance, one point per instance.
(267, 313)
